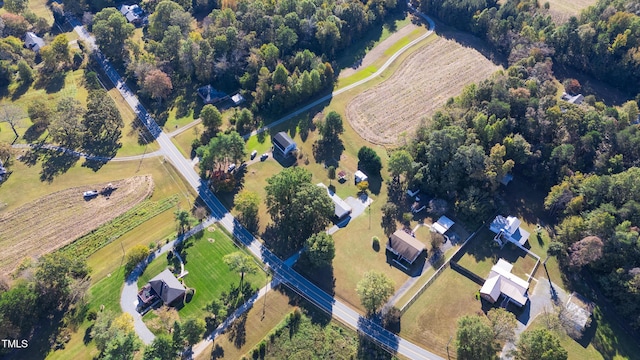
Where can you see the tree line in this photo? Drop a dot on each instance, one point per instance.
(604, 41)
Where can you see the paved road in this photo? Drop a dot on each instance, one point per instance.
(281, 271)
(325, 98)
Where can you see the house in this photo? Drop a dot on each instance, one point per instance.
(237, 99)
(573, 99)
(33, 42)
(342, 209)
(360, 176)
(442, 225)
(166, 287)
(404, 246)
(508, 229)
(283, 143)
(133, 13)
(502, 282)
(209, 95)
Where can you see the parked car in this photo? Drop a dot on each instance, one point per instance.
(90, 193)
(232, 167)
(264, 157)
(242, 166)
(253, 154)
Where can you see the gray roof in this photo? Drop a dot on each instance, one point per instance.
(167, 286)
(282, 140)
(33, 41)
(405, 245)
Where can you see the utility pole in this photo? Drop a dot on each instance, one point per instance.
(369, 208)
(451, 337)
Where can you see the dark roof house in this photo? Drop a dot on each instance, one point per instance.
(167, 287)
(33, 41)
(405, 246)
(133, 13)
(284, 143)
(210, 95)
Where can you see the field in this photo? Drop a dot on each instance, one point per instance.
(431, 320)
(208, 274)
(423, 83)
(562, 10)
(59, 218)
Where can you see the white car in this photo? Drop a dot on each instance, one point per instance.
(232, 167)
(253, 154)
(90, 193)
(264, 156)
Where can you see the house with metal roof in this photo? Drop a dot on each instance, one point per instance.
(502, 282)
(283, 143)
(508, 230)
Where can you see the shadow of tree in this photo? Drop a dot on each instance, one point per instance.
(217, 352)
(238, 331)
(56, 163)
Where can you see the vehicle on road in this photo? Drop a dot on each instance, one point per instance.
(253, 154)
(90, 193)
(264, 157)
(232, 167)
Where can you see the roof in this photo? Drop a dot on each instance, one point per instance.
(442, 225)
(573, 99)
(167, 286)
(33, 41)
(360, 175)
(509, 284)
(342, 209)
(282, 140)
(405, 245)
(510, 227)
(237, 99)
(210, 95)
(131, 12)
(506, 179)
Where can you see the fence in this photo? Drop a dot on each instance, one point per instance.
(469, 274)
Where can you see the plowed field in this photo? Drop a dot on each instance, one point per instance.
(57, 219)
(421, 85)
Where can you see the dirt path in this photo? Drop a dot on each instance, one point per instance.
(57, 219)
(375, 53)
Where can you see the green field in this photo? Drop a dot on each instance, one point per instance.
(208, 274)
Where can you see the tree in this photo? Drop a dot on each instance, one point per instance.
(160, 349)
(66, 128)
(475, 339)
(400, 163)
(240, 263)
(177, 336)
(389, 215)
(134, 256)
(221, 151)
(16, 6)
(496, 166)
(40, 113)
(12, 115)
(247, 203)
(102, 120)
(114, 336)
(183, 218)
(166, 13)
(585, 252)
(503, 324)
(374, 289)
(211, 118)
(192, 330)
(320, 249)
(111, 30)
(369, 160)
(331, 127)
(122, 346)
(157, 84)
(101, 330)
(539, 344)
(331, 173)
(25, 71)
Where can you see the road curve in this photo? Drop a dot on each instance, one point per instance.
(432, 26)
(281, 271)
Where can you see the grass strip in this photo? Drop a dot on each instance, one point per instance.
(97, 239)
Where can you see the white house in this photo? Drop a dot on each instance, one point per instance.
(442, 225)
(33, 41)
(502, 281)
(283, 143)
(133, 13)
(360, 176)
(573, 99)
(341, 208)
(508, 229)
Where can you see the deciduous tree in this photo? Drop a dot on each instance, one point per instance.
(539, 344)
(211, 118)
(66, 128)
(192, 330)
(157, 84)
(247, 203)
(240, 263)
(503, 324)
(585, 252)
(400, 163)
(12, 115)
(369, 160)
(160, 349)
(135, 256)
(374, 290)
(320, 249)
(111, 30)
(475, 339)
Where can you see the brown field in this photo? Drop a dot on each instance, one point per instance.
(562, 10)
(57, 219)
(423, 83)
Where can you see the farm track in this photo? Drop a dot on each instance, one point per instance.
(423, 83)
(57, 219)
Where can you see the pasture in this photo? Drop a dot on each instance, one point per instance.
(57, 219)
(421, 85)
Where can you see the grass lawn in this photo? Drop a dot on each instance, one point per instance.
(480, 255)
(208, 274)
(431, 320)
(259, 322)
(40, 8)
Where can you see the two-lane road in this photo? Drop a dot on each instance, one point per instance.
(281, 271)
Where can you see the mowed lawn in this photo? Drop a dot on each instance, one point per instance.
(208, 274)
(431, 320)
(258, 323)
(481, 254)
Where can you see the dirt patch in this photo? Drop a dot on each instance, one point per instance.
(375, 53)
(421, 85)
(57, 219)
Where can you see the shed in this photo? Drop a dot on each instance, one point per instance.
(283, 143)
(167, 287)
(405, 246)
(33, 41)
(360, 176)
(442, 225)
(237, 99)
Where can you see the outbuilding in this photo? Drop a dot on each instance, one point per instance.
(283, 143)
(360, 176)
